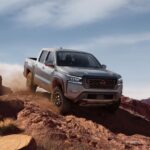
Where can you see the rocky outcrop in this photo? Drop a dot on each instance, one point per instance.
(84, 129)
(46, 126)
(17, 142)
(88, 130)
(138, 107)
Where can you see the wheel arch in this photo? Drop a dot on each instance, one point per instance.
(27, 72)
(57, 82)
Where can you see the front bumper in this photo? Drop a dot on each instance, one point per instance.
(92, 97)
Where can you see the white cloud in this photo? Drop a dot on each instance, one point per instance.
(125, 39)
(12, 5)
(68, 13)
(139, 6)
(112, 41)
(86, 11)
(38, 14)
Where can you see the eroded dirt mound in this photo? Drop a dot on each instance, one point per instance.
(84, 129)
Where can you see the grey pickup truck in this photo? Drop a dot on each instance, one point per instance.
(73, 77)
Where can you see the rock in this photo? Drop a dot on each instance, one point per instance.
(17, 142)
(134, 143)
(10, 108)
(86, 130)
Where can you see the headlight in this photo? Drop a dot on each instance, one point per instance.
(120, 81)
(74, 79)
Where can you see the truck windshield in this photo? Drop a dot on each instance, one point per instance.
(77, 59)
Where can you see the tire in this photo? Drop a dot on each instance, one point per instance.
(114, 107)
(61, 103)
(29, 83)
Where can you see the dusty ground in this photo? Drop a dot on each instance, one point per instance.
(83, 129)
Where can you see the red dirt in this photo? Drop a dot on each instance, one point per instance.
(84, 129)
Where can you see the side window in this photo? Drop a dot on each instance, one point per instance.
(50, 58)
(43, 56)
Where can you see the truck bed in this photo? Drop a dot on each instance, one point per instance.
(29, 64)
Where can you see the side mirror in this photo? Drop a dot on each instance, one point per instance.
(104, 66)
(48, 64)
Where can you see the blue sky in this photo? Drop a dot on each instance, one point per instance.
(116, 31)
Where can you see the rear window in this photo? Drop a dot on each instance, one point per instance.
(43, 56)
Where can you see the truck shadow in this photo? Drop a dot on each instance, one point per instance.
(120, 122)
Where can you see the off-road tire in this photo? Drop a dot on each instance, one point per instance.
(29, 83)
(61, 103)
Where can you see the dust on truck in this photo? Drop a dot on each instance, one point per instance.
(73, 77)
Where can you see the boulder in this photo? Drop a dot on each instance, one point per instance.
(17, 142)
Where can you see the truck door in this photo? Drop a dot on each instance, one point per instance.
(48, 70)
(39, 67)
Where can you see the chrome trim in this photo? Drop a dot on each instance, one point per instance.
(93, 102)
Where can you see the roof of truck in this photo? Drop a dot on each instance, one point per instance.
(62, 49)
(51, 49)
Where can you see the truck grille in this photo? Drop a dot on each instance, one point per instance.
(100, 83)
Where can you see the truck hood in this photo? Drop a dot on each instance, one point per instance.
(80, 72)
